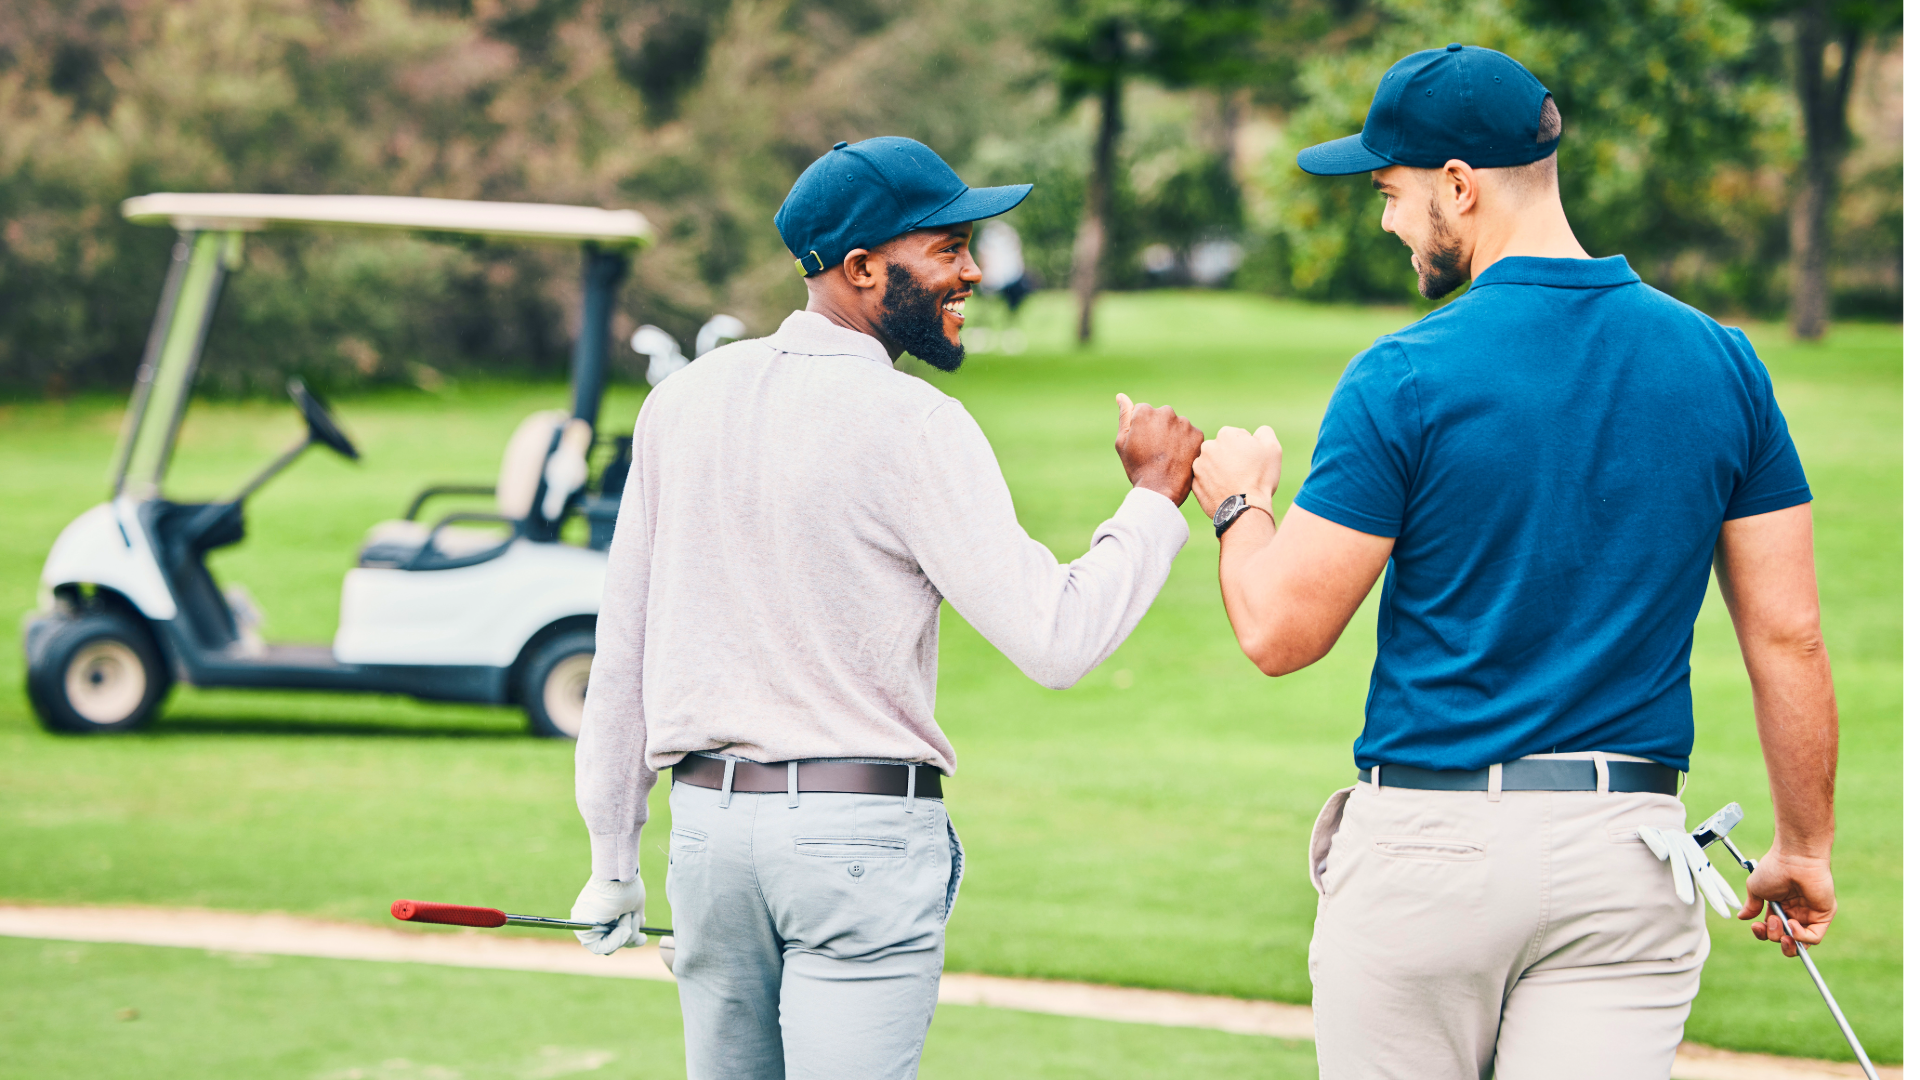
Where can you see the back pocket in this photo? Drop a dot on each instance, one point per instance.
(1429, 848)
(850, 847)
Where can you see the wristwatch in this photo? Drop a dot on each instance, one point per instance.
(1227, 513)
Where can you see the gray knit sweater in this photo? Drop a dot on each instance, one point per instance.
(796, 511)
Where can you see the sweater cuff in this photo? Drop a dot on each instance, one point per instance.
(616, 856)
(1154, 515)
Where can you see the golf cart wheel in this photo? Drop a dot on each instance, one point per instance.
(97, 672)
(554, 689)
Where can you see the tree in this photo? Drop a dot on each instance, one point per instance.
(1827, 36)
(699, 113)
(1100, 44)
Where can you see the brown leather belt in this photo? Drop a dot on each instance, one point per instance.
(846, 777)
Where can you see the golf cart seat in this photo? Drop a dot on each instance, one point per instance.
(534, 462)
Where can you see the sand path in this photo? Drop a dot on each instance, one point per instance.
(288, 935)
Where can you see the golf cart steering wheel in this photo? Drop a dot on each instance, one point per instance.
(321, 426)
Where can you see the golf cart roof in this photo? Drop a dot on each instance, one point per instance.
(504, 221)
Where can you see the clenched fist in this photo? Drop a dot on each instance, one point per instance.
(1238, 462)
(1157, 448)
(1803, 886)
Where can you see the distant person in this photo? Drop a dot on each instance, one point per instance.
(795, 513)
(1003, 265)
(1546, 468)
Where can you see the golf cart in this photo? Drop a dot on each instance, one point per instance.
(444, 611)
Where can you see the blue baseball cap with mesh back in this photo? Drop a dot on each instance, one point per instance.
(1477, 105)
(860, 195)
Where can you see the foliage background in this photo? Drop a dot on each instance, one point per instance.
(1680, 139)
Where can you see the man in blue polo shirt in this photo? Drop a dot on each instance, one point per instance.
(1546, 469)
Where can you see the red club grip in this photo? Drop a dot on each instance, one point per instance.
(450, 914)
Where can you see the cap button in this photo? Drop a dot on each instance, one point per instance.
(839, 146)
(1455, 47)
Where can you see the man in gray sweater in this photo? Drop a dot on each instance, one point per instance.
(796, 512)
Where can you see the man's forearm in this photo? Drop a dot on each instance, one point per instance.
(1254, 625)
(1057, 622)
(1799, 729)
(1291, 590)
(1290, 586)
(1765, 566)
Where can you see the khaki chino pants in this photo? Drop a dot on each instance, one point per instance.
(1531, 936)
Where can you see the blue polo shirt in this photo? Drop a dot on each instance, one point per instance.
(1554, 453)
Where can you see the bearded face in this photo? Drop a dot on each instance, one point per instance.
(913, 315)
(1438, 258)
(1439, 252)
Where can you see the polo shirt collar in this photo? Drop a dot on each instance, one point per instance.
(809, 333)
(1559, 273)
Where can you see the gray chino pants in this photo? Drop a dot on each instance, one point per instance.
(808, 938)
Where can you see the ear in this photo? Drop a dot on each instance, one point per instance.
(862, 268)
(1459, 187)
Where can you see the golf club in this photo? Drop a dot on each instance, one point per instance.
(1716, 828)
(463, 915)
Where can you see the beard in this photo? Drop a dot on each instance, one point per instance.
(1439, 264)
(911, 315)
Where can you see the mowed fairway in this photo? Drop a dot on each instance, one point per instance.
(1147, 827)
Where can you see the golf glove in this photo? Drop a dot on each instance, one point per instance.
(622, 903)
(567, 468)
(1690, 867)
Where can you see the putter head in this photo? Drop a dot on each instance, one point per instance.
(1719, 825)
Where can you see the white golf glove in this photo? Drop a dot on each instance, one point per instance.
(567, 468)
(623, 903)
(1690, 866)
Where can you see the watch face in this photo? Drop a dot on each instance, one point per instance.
(1228, 507)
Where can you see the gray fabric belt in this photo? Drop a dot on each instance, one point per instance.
(1535, 774)
(846, 777)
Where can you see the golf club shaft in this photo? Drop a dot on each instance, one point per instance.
(569, 924)
(1806, 958)
(467, 915)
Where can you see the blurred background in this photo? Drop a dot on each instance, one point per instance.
(1744, 154)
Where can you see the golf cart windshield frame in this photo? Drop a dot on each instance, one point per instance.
(212, 233)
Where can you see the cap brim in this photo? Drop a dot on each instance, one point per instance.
(975, 204)
(1341, 157)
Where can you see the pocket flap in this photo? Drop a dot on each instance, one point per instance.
(850, 847)
(1430, 848)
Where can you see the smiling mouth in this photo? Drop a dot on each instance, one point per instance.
(957, 307)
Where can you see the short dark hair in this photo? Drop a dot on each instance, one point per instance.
(1549, 128)
(1543, 176)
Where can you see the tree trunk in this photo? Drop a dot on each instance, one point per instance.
(1090, 243)
(1823, 114)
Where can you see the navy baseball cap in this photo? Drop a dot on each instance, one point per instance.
(864, 194)
(1464, 102)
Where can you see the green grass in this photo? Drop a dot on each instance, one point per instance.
(113, 1011)
(1146, 827)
